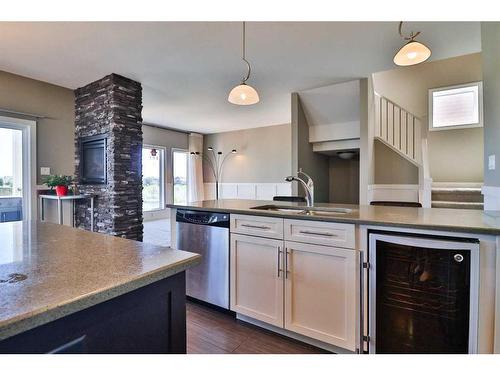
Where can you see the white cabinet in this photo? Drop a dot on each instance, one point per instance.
(256, 275)
(269, 227)
(320, 233)
(307, 288)
(320, 293)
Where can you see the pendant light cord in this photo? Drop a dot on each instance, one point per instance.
(411, 37)
(243, 55)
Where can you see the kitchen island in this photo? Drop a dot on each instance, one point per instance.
(312, 273)
(455, 220)
(69, 290)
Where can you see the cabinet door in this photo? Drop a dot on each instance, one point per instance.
(256, 275)
(320, 293)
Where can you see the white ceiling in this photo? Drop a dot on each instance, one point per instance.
(332, 104)
(188, 68)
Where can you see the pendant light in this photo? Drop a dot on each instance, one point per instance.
(244, 94)
(413, 52)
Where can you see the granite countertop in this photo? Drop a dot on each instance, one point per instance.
(446, 219)
(48, 271)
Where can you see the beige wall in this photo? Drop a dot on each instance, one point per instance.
(55, 133)
(263, 154)
(390, 168)
(454, 155)
(344, 180)
(303, 156)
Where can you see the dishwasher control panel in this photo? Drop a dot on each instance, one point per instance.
(203, 217)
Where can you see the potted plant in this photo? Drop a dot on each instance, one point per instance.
(60, 182)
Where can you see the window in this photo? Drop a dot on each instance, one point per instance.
(179, 172)
(456, 107)
(11, 174)
(153, 181)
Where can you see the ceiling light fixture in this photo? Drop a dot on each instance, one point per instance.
(413, 52)
(244, 94)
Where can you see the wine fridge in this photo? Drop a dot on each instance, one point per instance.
(422, 294)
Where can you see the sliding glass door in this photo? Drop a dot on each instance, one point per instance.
(153, 180)
(11, 174)
(180, 175)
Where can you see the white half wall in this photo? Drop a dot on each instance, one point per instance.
(491, 198)
(398, 193)
(252, 191)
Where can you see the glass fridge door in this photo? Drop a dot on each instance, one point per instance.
(421, 295)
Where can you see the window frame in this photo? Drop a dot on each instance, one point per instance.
(173, 151)
(163, 150)
(479, 124)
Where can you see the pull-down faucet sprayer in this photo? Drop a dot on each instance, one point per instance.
(308, 186)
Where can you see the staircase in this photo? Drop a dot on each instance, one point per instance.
(398, 129)
(457, 195)
(402, 131)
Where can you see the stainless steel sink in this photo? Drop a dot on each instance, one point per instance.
(288, 209)
(305, 210)
(329, 210)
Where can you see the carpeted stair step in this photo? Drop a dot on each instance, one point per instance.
(461, 205)
(457, 194)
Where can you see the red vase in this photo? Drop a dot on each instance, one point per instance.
(61, 190)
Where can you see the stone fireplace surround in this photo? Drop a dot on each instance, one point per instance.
(112, 107)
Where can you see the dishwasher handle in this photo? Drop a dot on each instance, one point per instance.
(214, 219)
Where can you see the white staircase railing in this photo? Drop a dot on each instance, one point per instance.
(402, 131)
(399, 129)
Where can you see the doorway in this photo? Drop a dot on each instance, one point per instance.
(153, 178)
(180, 176)
(17, 169)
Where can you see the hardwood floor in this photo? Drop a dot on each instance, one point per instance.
(213, 332)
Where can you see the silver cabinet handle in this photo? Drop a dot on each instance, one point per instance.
(286, 262)
(317, 233)
(255, 226)
(279, 261)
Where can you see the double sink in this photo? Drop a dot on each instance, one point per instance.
(319, 211)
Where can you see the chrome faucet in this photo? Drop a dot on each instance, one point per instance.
(308, 186)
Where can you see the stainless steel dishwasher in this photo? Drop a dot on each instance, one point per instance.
(206, 233)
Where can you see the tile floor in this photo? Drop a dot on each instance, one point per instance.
(157, 232)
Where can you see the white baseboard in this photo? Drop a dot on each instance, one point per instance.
(156, 215)
(253, 191)
(393, 192)
(491, 198)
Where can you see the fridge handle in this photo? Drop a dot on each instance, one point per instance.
(361, 303)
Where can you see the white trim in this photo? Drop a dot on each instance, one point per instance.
(346, 144)
(491, 198)
(248, 190)
(479, 124)
(393, 192)
(28, 127)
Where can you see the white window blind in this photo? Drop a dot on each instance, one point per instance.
(457, 106)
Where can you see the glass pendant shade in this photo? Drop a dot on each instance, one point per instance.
(412, 53)
(243, 95)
